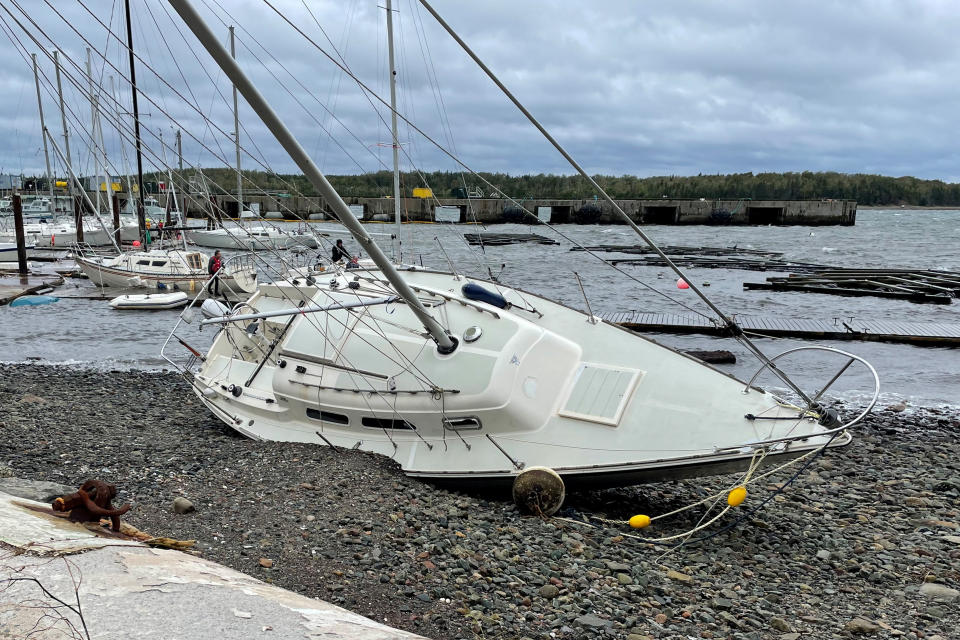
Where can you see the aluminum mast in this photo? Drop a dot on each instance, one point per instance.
(43, 129)
(445, 342)
(236, 131)
(395, 144)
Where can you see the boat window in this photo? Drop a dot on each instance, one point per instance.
(194, 261)
(327, 416)
(387, 423)
(465, 423)
(158, 263)
(144, 262)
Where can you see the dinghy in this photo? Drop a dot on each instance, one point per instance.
(150, 301)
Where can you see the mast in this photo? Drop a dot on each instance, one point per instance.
(181, 209)
(445, 342)
(63, 115)
(93, 128)
(141, 218)
(102, 166)
(397, 242)
(123, 152)
(43, 132)
(236, 130)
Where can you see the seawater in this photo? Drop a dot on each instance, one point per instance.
(85, 333)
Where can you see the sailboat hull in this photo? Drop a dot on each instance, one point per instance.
(532, 384)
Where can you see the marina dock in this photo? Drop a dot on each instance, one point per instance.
(929, 334)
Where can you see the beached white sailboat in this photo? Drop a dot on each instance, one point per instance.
(466, 380)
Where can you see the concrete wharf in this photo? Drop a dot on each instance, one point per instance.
(669, 211)
(929, 334)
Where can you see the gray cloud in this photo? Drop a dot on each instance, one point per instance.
(629, 88)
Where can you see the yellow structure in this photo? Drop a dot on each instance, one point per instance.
(422, 192)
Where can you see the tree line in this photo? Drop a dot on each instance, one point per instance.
(866, 189)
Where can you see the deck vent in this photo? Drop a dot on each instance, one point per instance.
(465, 423)
(600, 393)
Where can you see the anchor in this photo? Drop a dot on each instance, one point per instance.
(91, 502)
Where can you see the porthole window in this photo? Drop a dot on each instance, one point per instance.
(387, 423)
(327, 416)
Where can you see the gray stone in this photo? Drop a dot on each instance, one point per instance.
(823, 554)
(182, 505)
(860, 626)
(37, 490)
(617, 566)
(549, 591)
(721, 604)
(624, 579)
(780, 625)
(593, 621)
(939, 592)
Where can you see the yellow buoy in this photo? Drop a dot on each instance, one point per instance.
(639, 521)
(736, 496)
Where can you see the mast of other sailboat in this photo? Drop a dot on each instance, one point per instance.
(236, 130)
(141, 216)
(43, 129)
(395, 142)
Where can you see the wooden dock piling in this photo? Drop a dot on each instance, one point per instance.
(21, 237)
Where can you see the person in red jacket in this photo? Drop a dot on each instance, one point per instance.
(215, 264)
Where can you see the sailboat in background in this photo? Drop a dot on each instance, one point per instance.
(469, 381)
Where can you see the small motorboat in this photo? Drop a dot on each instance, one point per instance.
(150, 301)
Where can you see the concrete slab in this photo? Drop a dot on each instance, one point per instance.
(127, 590)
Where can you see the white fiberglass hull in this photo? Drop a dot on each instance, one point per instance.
(253, 240)
(596, 403)
(114, 272)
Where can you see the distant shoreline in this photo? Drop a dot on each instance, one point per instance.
(908, 207)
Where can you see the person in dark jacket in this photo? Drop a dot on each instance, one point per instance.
(215, 264)
(340, 252)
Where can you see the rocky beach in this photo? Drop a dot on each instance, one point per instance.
(865, 542)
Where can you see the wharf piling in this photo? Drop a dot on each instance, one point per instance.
(21, 237)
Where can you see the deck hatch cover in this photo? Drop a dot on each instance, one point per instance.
(600, 393)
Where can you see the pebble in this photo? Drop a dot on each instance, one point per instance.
(182, 505)
(549, 591)
(348, 527)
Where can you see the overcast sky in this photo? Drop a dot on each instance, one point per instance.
(640, 88)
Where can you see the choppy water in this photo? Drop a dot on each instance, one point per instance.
(89, 333)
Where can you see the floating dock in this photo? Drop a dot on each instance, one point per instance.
(929, 334)
(932, 287)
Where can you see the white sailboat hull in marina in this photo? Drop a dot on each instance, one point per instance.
(174, 269)
(250, 239)
(596, 403)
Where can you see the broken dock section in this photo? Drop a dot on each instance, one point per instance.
(929, 334)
